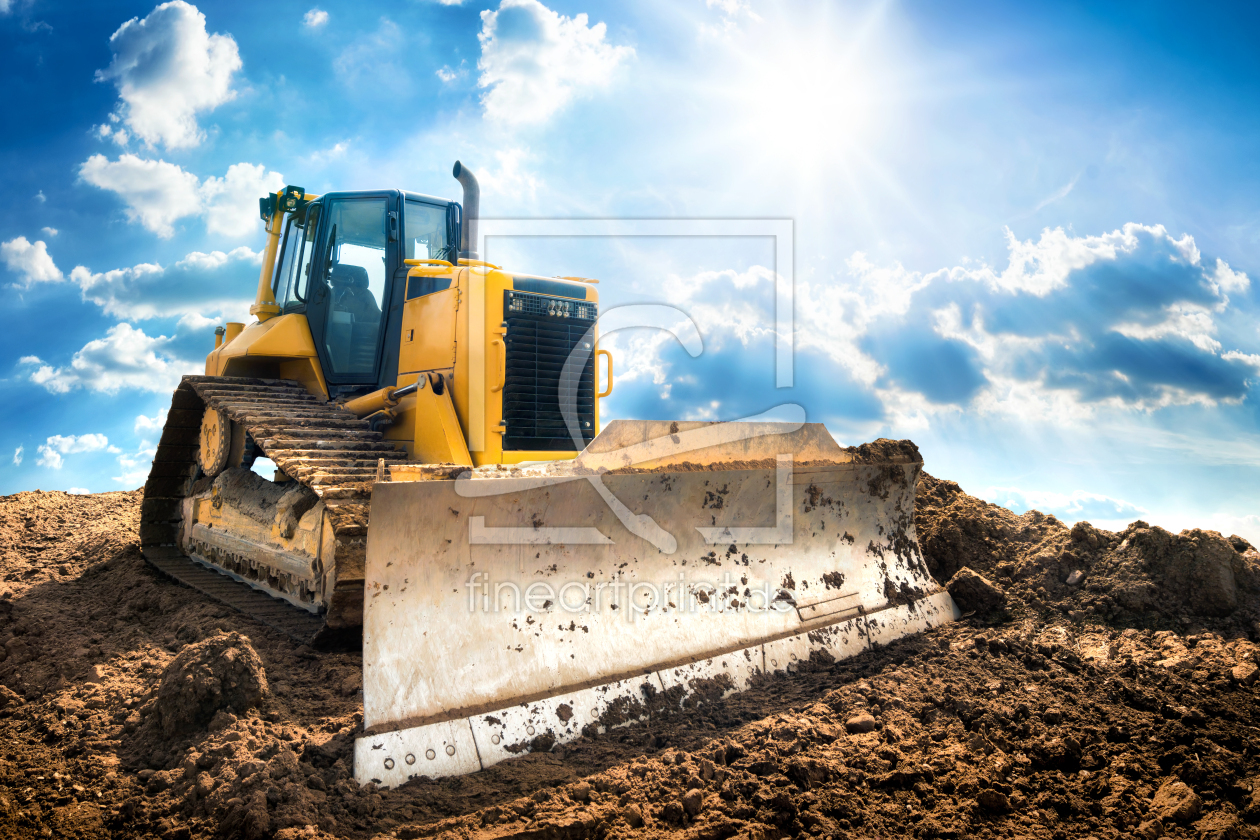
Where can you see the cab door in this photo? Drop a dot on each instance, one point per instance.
(356, 258)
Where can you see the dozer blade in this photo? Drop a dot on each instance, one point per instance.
(671, 563)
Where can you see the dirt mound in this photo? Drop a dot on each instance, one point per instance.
(1143, 576)
(221, 673)
(1123, 704)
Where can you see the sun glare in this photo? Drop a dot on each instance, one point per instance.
(815, 99)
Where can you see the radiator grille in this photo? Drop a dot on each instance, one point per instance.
(541, 333)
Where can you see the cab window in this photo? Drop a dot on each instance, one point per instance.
(293, 274)
(427, 235)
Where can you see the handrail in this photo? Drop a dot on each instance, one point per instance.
(446, 263)
(466, 261)
(610, 373)
(501, 343)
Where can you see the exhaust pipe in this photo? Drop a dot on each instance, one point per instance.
(472, 209)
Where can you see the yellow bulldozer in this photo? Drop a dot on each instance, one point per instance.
(444, 491)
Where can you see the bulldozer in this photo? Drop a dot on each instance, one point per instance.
(444, 495)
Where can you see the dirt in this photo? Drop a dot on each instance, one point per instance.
(1123, 704)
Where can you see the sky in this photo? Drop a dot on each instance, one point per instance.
(1024, 236)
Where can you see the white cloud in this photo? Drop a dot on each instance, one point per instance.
(49, 231)
(1071, 507)
(151, 424)
(535, 61)
(199, 283)
(17, 456)
(446, 74)
(124, 358)
(51, 452)
(168, 69)
(157, 193)
(315, 18)
(511, 182)
(136, 465)
(376, 64)
(40, 197)
(730, 11)
(232, 201)
(29, 260)
(1131, 320)
(79, 491)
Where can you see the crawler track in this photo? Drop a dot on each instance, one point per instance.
(320, 445)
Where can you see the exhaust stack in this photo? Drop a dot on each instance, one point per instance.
(472, 209)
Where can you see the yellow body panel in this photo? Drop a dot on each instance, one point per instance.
(280, 347)
(428, 333)
(438, 438)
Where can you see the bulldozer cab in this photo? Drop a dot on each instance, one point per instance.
(342, 265)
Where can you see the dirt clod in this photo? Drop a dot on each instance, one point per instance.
(693, 801)
(1176, 801)
(1245, 672)
(973, 592)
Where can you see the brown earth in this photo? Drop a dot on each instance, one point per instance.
(1121, 705)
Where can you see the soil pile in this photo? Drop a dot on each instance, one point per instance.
(1143, 576)
(222, 672)
(1122, 703)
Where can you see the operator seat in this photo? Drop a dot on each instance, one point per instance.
(354, 320)
(351, 293)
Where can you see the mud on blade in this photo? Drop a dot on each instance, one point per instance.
(514, 609)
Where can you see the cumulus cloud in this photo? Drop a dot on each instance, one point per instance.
(49, 231)
(535, 61)
(1134, 320)
(1130, 318)
(376, 64)
(151, 425)
(1072, 507)
(231, 202)
(157, 193)
(199, 283)
(315, 18)
(168, 69)
(30, 261)
(78, 491)
(53, 450)
(124, 358)
(730, 12)
(17, 456)
(135, 465)
(512, 181)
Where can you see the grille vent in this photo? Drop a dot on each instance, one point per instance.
(541, 333)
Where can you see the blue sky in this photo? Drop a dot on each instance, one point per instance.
(1026, 236)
